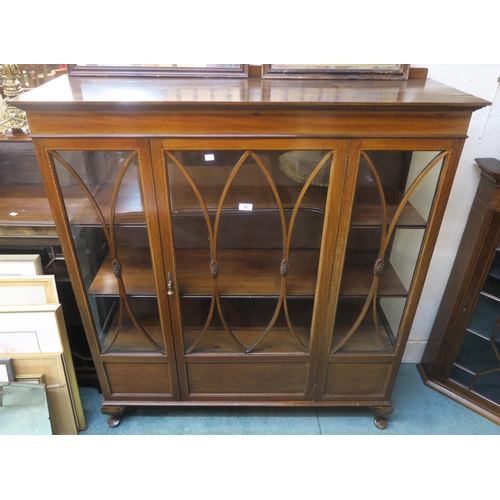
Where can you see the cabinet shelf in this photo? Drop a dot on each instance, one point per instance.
(129, 339)
(278, 340)
(365, 338)
(367, 211)
(244, 273)
(358, 276)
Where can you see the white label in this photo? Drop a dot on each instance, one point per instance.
(246, 206)
(13, 214)
(210, 157)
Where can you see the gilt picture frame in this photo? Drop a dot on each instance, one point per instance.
(337, 71)
(160, 70)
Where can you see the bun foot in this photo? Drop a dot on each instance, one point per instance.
(114, 414)
(114, 420)
(380, 421)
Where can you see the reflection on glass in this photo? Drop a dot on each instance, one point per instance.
(247, 227)
(103, 200)
(393, 198)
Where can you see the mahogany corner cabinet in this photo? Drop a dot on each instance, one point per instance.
(462, 357)
(247, 241)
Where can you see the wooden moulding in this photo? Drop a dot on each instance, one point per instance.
(253, 122)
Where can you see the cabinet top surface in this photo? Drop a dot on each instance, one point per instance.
(128, 93)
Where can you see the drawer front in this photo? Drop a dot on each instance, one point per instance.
(138, 378)
(247, 379)
(356, 379)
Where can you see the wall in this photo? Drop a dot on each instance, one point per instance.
(483, 142)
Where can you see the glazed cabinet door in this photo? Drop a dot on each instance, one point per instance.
(107, 219)
(396, 191)
(249, 222)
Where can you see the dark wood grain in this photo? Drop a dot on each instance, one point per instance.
(74, 92)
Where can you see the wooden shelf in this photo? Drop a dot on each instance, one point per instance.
(137, 273)
(129, 338)
(365, 338)
(278, 340)
(253, 272)
(367, 211)
(247, 319)
(28, 201)
(358, 276)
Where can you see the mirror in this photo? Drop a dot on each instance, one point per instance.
(337, 71)
(161, 70)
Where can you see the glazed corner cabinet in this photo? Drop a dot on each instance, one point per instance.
(247, 241)
(462, 359)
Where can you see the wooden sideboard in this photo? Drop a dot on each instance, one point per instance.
(247, 241)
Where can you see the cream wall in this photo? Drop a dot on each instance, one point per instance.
(483, 142)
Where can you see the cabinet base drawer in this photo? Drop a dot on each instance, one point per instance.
(138, 378)
(345, 379)
(234, 378)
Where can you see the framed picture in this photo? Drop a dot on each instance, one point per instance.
(6, 370)
(337, 71)
(39, 330)
(20, 265)
(30, 378)
(66, 416)
(161, 70)
(31, 329)
(28, 290)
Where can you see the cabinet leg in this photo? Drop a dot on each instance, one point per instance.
(114, 413)
(380, 420)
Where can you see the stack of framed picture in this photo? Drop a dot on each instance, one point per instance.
(33, 337)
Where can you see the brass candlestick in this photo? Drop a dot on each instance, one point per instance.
(12, 118)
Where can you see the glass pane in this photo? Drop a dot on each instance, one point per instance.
(485, 319)
(393, 198)
(103, 200)
(247, 227)
(477, 365)
(476, 354)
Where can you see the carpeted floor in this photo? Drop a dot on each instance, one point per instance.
(418, 410)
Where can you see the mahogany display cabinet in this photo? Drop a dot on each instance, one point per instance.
(247, 241)
(462, 359)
